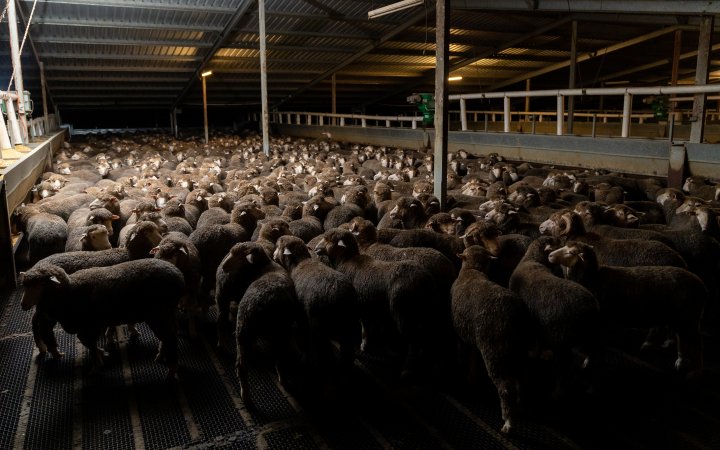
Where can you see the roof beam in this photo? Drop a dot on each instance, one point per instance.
(586, 56)
(106, 68)
(227, 33)
(120, 56)
(657, 7)
(62, 22)
(429, 76)
(132, 4)
(648, 66)
(365, 50)
(124, 42)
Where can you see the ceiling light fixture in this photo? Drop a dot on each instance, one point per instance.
(393, 7)
(456, 78)
(207, 73)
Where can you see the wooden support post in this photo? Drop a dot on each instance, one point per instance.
(442, 69)
(697, 129)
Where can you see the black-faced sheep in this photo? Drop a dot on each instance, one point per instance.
(87, 302)
(329, 299)
(214, 241)
(494, 321)
(394, 296)
(641, 296)
(266, 307)
(564, 314)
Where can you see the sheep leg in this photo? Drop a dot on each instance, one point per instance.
(223, 323)
(242, 373)
(44, 336)
(166, 332)
(508, 398)
(689, 350)
(89, 340)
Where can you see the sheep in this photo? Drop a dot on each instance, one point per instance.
(174, 214)
(329, 299)
(90, 238)
(563, 313)
(448, 245)
(153, 217)
(100, 216)
(642, 296)
(313, 216)
(64, 206)
(399, 293)
(214, 241)
(177, 249)
(439, 266)
(408, 213)
(269, 233)
(88, 301)
(494, 321)
(508, 249)
(44, 232)
(616, 252)
(267, 307)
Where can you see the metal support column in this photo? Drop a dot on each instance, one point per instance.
(43, 89)
(334, 98)
(627, 110)
(442, 69)
(205, 117)
(463, 115)
(4, 137)
(560, 115)
(527, 99)
(263, 77)
(17, 70)
(573, 71)
(15, 134)
(697, 129)
(506, 114)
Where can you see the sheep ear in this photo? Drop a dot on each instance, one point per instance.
(154, 250)
(413, 205)
(315, 207)
(341, 243)
(581, 256)
(250, 258)
(460, 255)
(183, 250)
(287, 251)
(54, 279)
(115, 217)
(82, 238)
(91, 218)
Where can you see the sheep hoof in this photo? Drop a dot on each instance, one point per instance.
(506, 427)
(57, 354)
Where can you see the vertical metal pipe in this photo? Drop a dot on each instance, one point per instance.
(594, 122)
(486, 122)
(560, 115)
(442, 69)
(532, 119)
(463, 115)
(263, 77)
(334, 96)
(43, 84)
(506, 114)
(17, 69)
(205, 117)
(573, 71)
(527, 99)
(697, 128)
(627, 109)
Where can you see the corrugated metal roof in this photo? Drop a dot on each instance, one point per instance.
(115, 52)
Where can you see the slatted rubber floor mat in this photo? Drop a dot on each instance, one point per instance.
(57, 404)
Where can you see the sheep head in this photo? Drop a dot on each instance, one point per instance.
(689, 204)
(338, 245)
(442, 223)
(363, 230)
(41, 282)
(290, 250)
(484, 234)
(274, 229)
(244, 256)
(562, 223)
(96, 238)
(623, 216)
(170, 251)
(476, 257)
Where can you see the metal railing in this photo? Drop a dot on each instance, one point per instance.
(362, 120)
(560, 94)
